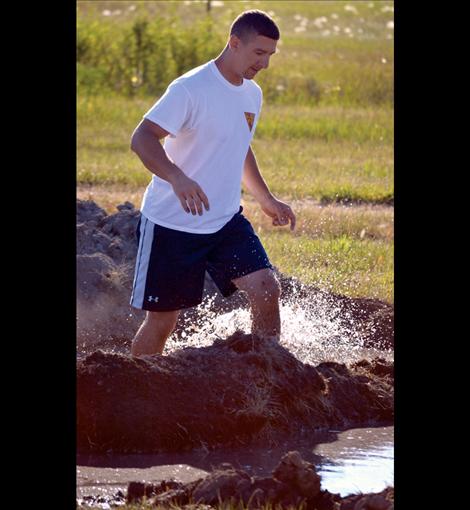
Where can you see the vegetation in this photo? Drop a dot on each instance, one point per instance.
(329, 52)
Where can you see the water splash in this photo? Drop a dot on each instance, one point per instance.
(314, 329)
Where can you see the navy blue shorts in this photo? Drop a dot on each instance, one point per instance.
(171, 265)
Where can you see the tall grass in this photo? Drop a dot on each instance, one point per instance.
(140, 57)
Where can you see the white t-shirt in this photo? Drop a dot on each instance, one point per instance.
(211, 123)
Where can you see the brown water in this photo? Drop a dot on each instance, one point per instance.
(351, 461)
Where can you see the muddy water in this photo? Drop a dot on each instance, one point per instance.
(361, 460)
(351, 461)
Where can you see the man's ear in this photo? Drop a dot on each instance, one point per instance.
(234, 42)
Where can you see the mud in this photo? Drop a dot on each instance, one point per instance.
(351, 461)
(106, 249)
(293, 483)
(235, 391)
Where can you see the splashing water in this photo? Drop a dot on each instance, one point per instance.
(314, 329)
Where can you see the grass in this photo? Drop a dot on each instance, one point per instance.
(341, 265)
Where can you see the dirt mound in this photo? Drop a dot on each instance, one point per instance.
(238, 389)
(294, 484)
(106, 249)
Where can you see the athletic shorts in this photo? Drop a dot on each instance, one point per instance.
(171, 265)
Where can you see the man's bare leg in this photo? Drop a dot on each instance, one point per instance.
(263, 291)
(154, 332)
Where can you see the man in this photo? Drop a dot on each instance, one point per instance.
(191, 219)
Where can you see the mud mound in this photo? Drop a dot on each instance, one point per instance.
(238, 389)
(106, 249)
(294, 484)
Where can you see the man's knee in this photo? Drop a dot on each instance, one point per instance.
(266, 290)
(163, 321)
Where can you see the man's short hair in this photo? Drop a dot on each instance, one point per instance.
(253, 23)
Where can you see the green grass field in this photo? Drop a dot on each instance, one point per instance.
(324, 141)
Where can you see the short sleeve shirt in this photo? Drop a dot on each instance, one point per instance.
(211, 124)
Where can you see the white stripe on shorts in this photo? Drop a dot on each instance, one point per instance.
(142, 262)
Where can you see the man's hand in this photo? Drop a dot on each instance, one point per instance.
(190, 194)
(279, 211)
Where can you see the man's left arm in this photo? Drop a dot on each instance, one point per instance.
(270, 205)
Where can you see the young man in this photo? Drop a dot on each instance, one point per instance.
(191, 219)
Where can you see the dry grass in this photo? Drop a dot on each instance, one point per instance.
(317, 221)
(313, 219)
(108, 197)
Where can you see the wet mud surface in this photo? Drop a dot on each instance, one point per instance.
(292, 483)
(349, 462)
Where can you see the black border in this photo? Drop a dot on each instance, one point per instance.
(39, 314)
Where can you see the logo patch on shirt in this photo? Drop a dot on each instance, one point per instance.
(250, 118)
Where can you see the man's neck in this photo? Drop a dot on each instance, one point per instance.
(223, 65)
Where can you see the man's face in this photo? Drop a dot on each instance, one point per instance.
(253, 55)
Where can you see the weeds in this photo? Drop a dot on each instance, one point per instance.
(336, 58)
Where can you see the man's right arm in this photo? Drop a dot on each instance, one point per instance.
(145, 142)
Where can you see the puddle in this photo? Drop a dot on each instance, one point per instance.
(351, 461)
(361, 460)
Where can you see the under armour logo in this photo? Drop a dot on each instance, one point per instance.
(154, 299)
